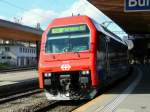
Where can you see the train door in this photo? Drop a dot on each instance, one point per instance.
(102, 58)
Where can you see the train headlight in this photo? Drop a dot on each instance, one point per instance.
(86, 72)
(47, 74)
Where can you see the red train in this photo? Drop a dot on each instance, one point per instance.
(78, 57)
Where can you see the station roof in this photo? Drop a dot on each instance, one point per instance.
(15, 31)
(131, 22)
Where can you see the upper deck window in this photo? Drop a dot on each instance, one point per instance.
(74, 38)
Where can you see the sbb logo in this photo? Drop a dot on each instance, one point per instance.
(65, 67)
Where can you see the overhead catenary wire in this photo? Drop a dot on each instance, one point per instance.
(18, 7)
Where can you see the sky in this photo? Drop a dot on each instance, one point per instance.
(31, 12)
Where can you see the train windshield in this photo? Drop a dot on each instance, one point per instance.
(68, 39)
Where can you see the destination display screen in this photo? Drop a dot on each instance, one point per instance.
(69, 29)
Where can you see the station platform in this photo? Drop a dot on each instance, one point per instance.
(9, 78)
(130, 95)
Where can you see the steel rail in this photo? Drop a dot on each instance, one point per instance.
(47, 107)
(19, 95)
(16, 69)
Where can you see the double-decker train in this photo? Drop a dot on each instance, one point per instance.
(78, 57)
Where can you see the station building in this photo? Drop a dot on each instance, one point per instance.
(18, 55)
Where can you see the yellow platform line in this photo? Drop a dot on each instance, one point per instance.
(90, 104)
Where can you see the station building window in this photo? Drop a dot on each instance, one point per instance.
(7, 49)
(8, 57)
(21, 49)
(3, 57)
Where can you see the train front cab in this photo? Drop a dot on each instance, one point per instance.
(73, 75)
(79, 79)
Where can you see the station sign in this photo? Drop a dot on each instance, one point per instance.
(137, 5)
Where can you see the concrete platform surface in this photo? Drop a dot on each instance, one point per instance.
(131, 95)
(16, 77)
(139, 99)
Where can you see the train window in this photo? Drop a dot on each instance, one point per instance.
(79, 43)
(71, 43)
(117, 53)
(74, 41)
(101, 53)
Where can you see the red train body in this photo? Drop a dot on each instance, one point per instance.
(69, 65)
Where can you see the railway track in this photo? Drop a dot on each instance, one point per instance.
(12, 89)
(36, 102)
(47, 107)
(19, 95)
(24, 102)
(68, 106)
(61, 106)
(41, 105)
(16, 69)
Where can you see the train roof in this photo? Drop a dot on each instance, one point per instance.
(98, 26)
(108, 32)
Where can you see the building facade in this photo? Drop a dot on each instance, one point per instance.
(18, 55)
